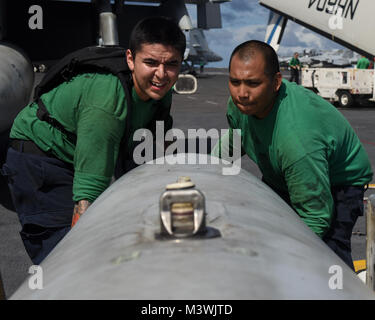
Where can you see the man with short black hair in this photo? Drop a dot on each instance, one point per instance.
(306, 150)
(53, 179)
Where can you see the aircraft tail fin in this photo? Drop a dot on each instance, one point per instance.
(275, 29)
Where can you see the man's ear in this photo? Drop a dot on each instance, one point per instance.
(277, 81)
(130, 59)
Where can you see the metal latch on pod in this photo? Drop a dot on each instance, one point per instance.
(183, 212)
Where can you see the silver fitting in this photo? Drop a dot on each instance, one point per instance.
(182, 209)
(108, 29)
(183, 212)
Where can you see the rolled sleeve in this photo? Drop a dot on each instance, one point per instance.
(88, 186)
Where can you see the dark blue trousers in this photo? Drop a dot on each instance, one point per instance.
(41, 189)
(348, 202)
(294, 75)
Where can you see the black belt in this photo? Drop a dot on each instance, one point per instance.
(28, 146)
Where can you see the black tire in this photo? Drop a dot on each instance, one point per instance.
(345, 99)
(2, 292)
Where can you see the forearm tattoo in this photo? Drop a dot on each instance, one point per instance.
(79, 210)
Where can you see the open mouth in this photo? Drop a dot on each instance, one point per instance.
(158, 85)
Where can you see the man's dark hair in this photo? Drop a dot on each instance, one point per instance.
(160, 30)
(249, 48)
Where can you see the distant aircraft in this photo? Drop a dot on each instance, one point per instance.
(198, 52)
(334, 58)
(338, 58)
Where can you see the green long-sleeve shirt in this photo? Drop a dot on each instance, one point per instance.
(303, 148)
(93, 107)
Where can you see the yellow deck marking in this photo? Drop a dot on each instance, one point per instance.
(359, 265)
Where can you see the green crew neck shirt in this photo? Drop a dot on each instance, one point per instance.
(294, 62)
(303, 147)
(363, 63)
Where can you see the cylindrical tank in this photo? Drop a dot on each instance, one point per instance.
(16, 84)
(264, 251)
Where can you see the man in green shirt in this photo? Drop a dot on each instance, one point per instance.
(295, 67)
(363, 63)
(53, 179)
(306, 150)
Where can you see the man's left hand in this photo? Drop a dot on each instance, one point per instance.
(79, 209)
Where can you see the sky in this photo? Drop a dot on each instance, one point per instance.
(244, 20)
